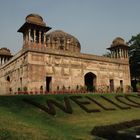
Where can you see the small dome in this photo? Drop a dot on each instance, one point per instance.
(63, 40)
(35, 18)
(5, 51)
(118, 41)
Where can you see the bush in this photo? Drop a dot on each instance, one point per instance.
(119, 90)
(5, 134)
(129, 88)
(110, 132)
(41, 88)
(57, 88)
(138, 86)
(19, 89)
(63, 88)
(77, 87)
(91, 88)
(25, 89)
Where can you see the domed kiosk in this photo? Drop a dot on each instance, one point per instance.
(119, 48)
(60, 40)
(5, 55)
(34, 31)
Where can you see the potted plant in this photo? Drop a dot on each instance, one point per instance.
(10, 89)
(63, 89)
(25, 90)
(41, 89)
(138, 87)
(57, 88)
(129, 89)
(19, 90)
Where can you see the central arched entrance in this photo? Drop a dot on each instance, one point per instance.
(90, 81)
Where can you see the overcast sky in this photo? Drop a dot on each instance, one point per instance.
(95, 23)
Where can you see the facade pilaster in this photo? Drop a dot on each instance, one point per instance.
(34, 36)
(44, 40)
(39, 37)
(29, 36)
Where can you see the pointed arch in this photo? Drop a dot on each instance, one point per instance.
(90, 81)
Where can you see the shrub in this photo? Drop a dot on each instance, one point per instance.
(63, 88)
(110, 132)
(41, 87)
(119, 89)
(129, 88)
(19, 90)
(25, 89)
(77, 87)
(57, 88)
(138, 86)
(5, 134)
(91, 88)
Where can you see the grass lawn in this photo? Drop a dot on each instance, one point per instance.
(22, 121)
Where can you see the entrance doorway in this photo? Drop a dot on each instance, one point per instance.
(48, 83)
(90, 81)
(121, 85)
(8, 88)
(111, 81)
(8, 78)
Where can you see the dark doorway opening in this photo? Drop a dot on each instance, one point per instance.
(21, 83)
(8, 78)
(121, 85)
(90, 81)
(111, 81)
(48, 83)
(9, 89)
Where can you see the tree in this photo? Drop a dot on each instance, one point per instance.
(134, 59)
(134, 42)
(107, 54)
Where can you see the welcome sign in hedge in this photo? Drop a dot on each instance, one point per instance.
(126, 101)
